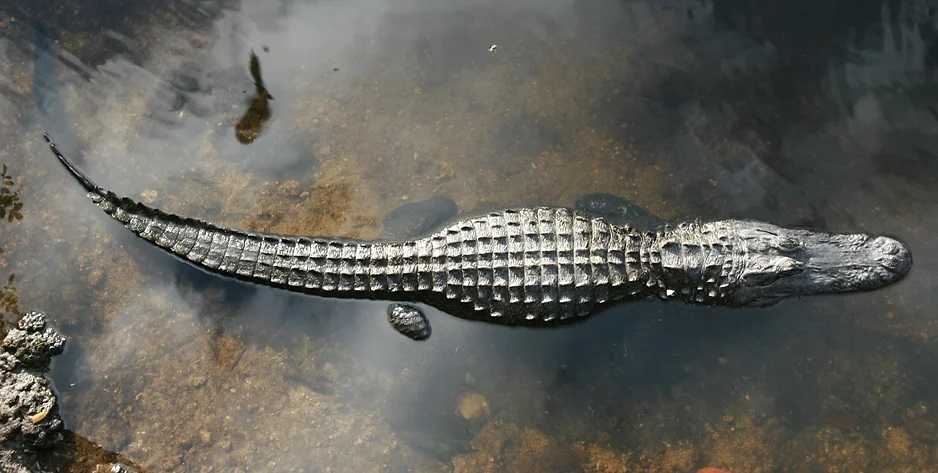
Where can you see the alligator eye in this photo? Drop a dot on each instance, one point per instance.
(766, 271)
(789, 267)
(788, 244)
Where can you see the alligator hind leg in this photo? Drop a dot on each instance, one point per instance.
(416, 219)
(618, 211)
(409, 321)
(409, 221)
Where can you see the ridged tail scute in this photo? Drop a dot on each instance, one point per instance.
(312, 265)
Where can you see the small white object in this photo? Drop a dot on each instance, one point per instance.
(492, 48)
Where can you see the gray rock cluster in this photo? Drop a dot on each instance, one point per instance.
(29, 411)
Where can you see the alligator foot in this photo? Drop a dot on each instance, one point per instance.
(416, 219)
(409, 321)
(409, 221)
(618, 211)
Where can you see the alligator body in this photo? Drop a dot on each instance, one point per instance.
(532, 266)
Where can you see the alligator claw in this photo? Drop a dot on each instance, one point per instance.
(618, 210)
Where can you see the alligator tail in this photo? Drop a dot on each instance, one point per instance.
(86, 182)
(320, 266)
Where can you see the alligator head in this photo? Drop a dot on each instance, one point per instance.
(771, 263)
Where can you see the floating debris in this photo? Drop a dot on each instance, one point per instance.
(37, 418)
(493, 48)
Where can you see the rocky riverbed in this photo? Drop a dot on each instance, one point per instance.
(33, 438)
(29, 409)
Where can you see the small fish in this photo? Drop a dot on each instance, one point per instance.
(250, 125)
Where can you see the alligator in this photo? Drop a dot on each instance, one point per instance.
(533, 266)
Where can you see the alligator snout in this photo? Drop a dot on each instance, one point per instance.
(893, 255)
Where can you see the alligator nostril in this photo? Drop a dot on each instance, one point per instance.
(896, 256)
(889, 246)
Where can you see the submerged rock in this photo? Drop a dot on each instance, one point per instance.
(29, 410)
(472, 406)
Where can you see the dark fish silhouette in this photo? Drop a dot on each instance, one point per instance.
(250, 125)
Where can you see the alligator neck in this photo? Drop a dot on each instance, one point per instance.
(692, 262)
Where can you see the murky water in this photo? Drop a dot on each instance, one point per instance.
(809, 114)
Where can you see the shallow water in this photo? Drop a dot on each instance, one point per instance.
(800, 116)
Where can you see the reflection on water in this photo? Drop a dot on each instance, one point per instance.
(804, 113)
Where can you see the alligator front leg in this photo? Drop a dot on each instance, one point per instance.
(408, 221)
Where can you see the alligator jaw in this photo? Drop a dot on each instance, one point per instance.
(772, 263)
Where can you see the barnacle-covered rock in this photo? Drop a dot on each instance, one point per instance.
(29, 410)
